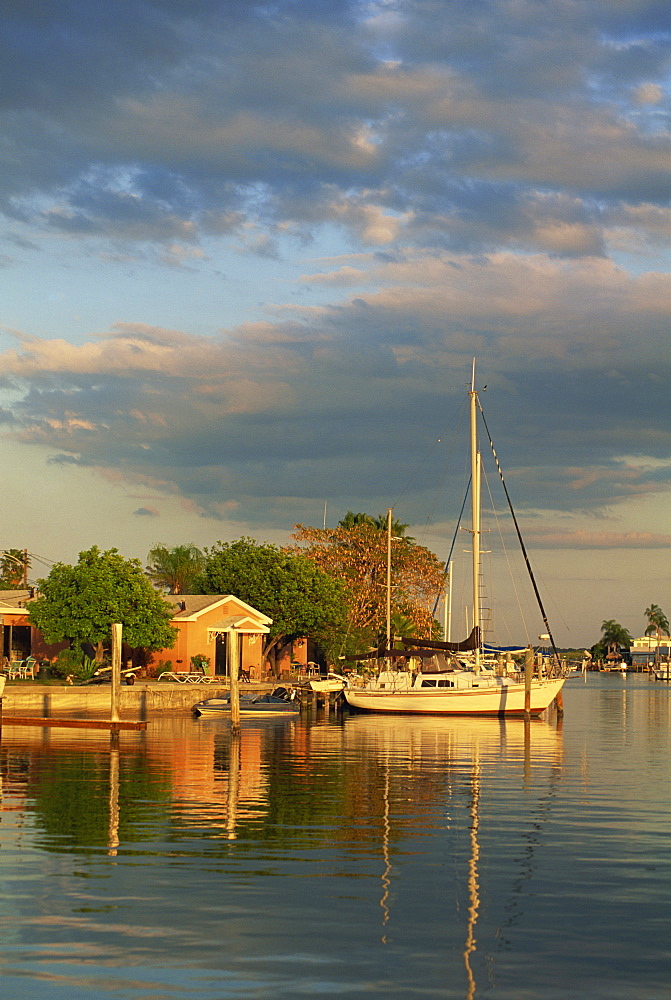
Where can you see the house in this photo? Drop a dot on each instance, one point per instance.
(644, 650)
(204, 623)
(20, 638)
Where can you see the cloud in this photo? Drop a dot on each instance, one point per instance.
(605, 540)
(146, 512)
(337, 400)
(425, 125)
(389, 189)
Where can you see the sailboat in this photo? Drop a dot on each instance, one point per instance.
(443, 685)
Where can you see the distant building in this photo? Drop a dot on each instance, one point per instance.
(644, 650)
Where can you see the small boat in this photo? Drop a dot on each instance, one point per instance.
(332, 682)
(663, 672)
(281, 701)
(447, 683)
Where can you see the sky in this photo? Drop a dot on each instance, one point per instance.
(249, 251)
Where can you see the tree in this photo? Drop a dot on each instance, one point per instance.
(352, 520)
(14, 566)
(302, 600)
(614, 635)
(175, 570)
(80, 603)
(356, 553)
(658, 624)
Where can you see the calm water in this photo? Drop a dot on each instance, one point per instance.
(355, 858)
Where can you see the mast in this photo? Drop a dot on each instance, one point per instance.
(447, 607)
(475, 510)
(389, 512)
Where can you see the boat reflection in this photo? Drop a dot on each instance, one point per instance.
(411, 746)
(435, 739)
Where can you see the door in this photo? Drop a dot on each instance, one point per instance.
(220, 655)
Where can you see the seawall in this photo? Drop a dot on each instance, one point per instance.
(139, 702)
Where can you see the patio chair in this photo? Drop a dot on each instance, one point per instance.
(29, 668)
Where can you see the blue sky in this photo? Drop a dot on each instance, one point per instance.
(249, 250)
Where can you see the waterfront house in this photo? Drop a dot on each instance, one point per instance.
(644, 650)
(204, 623)
(19, 638)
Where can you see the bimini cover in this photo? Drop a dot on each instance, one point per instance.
(495, 650)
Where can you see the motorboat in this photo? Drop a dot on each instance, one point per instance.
(280, 701)
(331, 683)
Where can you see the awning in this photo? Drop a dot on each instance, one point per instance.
(238, 623)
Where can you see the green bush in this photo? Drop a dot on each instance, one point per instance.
(73, 663)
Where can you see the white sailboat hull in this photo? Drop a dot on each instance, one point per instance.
(328, 684)
(492, 699)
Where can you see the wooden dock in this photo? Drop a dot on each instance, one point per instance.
(113, 726)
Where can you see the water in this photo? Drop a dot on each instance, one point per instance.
(392, 857)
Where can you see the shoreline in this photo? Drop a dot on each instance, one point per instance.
(139, 701)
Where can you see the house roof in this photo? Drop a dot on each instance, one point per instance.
(191, 606)
(13, 599)
(243, 623)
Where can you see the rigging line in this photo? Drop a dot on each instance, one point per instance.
(414, 475)
(454, 539)
(519, 538)
(422, 462)
(462, 412)
(512, 575)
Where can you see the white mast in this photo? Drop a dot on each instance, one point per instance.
(389, 512)
(447, 606)
(475, 511)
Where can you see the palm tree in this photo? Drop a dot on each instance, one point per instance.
(175, 570)
(658, 624)
(14, 566)
(352, 520)
(614, 635)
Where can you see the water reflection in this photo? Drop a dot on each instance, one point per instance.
(441, 759)
(473, 887)
(397, 857)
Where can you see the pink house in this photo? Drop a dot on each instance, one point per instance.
(204, 623)
(19, 638)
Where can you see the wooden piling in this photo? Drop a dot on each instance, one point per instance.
(528, 677)
(233, 657)
(116, 671)
(559, 702)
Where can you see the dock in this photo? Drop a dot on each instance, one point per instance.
(32, 703)
(109, 724)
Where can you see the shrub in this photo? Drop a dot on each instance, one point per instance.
(73, 663)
